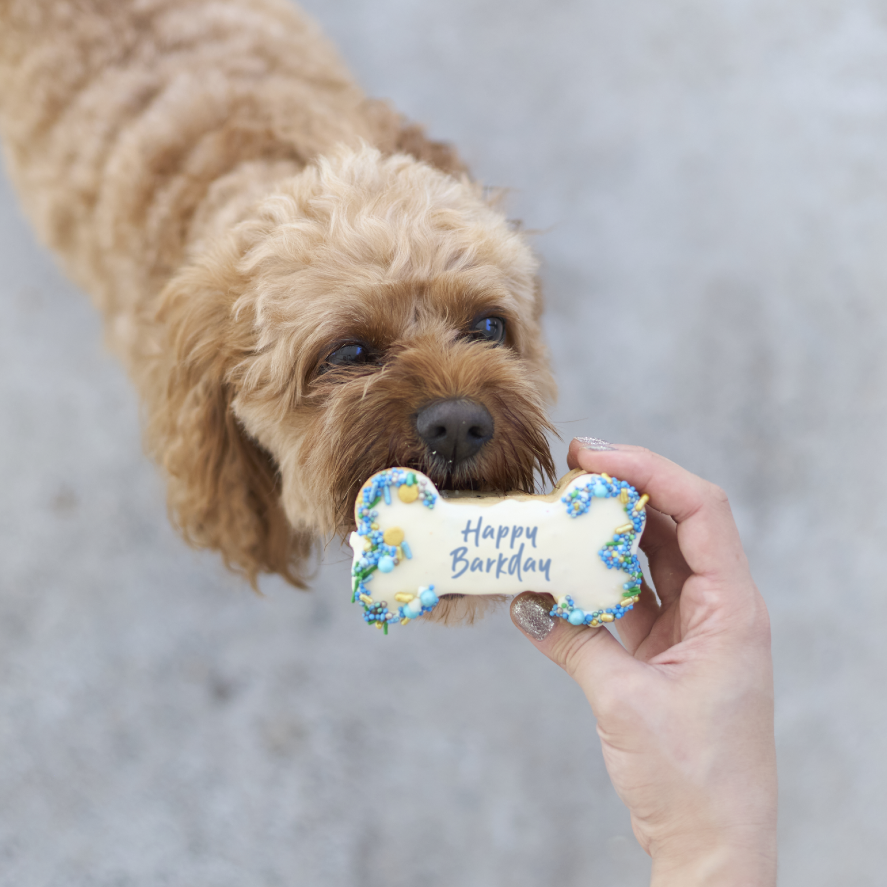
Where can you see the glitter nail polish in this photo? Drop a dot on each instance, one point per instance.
(595, 443)
(530, 612)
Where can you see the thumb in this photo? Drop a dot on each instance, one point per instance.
(591, 656)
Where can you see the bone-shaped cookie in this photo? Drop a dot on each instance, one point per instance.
(578, 543)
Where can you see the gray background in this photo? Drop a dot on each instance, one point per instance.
(709, 179)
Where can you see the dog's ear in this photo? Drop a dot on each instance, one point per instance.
(223, 488)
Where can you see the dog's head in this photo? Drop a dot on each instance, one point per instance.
(373, 312)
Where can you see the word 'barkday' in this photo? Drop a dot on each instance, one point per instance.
(502, 565)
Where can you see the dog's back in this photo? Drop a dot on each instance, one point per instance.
(135, 129)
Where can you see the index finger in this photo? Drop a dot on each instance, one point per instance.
(707, 534)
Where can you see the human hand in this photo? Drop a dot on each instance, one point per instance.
(685, 709)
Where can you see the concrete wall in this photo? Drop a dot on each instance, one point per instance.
(709, 178)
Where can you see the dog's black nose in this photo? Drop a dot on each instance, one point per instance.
(454, 429)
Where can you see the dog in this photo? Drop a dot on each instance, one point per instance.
(303, 287)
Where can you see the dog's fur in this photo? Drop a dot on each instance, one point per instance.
(209, 172)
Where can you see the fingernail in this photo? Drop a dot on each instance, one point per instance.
(595, 443)
(530, 613)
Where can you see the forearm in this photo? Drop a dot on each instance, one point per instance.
(747, 861)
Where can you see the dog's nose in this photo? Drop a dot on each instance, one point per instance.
(454, 429)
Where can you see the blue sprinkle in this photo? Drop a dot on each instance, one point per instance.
(406, 551)
(386, 564)
(386, 491)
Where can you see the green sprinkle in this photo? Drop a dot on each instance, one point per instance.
(385, 628)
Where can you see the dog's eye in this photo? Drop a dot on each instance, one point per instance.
(490, 328)
(350, 355)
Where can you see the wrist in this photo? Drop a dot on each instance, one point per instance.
(743, 861)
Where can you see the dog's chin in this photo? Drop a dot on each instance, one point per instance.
(460, 609)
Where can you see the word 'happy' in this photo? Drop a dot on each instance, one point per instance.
(502, 564)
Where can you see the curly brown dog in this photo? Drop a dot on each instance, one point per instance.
(303, 287)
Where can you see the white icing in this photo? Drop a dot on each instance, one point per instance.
(525, 543)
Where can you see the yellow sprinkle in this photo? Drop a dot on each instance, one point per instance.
(404, 620)
(377, 624)
(594, 623)
(625, 528)
(607, 617)
(407, 494)
(404, 596)
(623, 496)
(606, 476)
(366, 599)
(393, 536)
(638, 506)
(374, 526)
